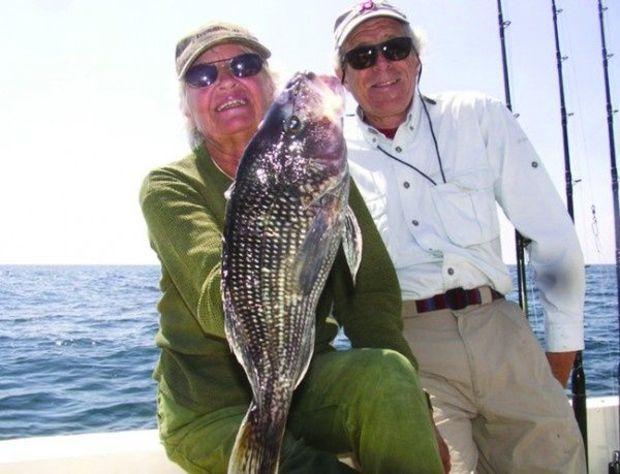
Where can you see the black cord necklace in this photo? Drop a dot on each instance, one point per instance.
(430, 124)
(409, 165)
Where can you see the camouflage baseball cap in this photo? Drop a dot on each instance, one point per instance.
(361, 12)
(193, 45)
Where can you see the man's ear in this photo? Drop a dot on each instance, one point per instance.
(344, 79)
(339, 72)
(339, 69)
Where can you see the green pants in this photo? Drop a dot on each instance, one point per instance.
(365, 401)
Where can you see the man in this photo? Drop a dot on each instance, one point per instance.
(431, 170)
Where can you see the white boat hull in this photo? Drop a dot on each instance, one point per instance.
(140, 451)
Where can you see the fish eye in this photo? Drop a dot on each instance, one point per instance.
(293, 124)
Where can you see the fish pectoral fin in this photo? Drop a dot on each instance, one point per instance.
(352, 242)
(312, 253)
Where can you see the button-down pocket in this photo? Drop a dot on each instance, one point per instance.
(466, 206)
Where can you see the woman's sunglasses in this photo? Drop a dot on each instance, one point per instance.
(364, 57)
(243, 65)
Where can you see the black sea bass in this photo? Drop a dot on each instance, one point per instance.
(286, 217)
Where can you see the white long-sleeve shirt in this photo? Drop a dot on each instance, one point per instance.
(446, 235)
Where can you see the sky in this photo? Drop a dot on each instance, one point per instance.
(89, 104)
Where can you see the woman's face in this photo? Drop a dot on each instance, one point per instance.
(231, 108)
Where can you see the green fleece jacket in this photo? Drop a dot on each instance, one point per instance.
(184, 207)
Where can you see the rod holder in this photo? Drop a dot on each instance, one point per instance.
(614, 465)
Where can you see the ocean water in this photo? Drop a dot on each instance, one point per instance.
(77, 350)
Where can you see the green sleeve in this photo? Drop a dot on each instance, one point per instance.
(370, 309)
(188, 241)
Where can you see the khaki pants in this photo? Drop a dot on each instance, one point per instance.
(495, 400)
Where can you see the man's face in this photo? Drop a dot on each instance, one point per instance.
(384, 91)
(231, 105)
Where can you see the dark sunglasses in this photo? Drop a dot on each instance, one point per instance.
(364, 57)
(243, 65)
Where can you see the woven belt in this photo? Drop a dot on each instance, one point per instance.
(456, 298)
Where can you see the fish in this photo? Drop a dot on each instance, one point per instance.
(286, 216)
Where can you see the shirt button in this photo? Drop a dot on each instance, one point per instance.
(534, 164)
(406, 184)
(374, 140)
(411, 128)
(414, 222)
(399, 149)
(450, 271)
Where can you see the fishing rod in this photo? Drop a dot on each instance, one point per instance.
(578, 377)
(614, 174)
(520, 241)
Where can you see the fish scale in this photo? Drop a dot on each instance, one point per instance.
(273, 241)
(285, 220)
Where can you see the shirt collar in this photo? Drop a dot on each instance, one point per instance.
(406, 130)
(210, 171)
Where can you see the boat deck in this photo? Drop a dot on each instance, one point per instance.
(140, 451)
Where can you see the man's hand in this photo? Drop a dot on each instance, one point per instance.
(561, 364)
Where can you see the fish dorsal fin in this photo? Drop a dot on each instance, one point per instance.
(352, 242)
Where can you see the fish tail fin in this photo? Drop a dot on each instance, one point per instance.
(258, 442)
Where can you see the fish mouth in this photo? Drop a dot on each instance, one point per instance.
(231, 104)
(333, 83)
(320, 96)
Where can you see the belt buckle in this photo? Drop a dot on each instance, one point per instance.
(456, 298)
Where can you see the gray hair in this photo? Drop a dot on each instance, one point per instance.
(194, 135)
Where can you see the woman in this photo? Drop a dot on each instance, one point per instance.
(368, 401)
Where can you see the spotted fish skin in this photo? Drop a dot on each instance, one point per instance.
(285, 220)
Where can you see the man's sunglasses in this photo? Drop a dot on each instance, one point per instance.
(243, 65)
(364, 57)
